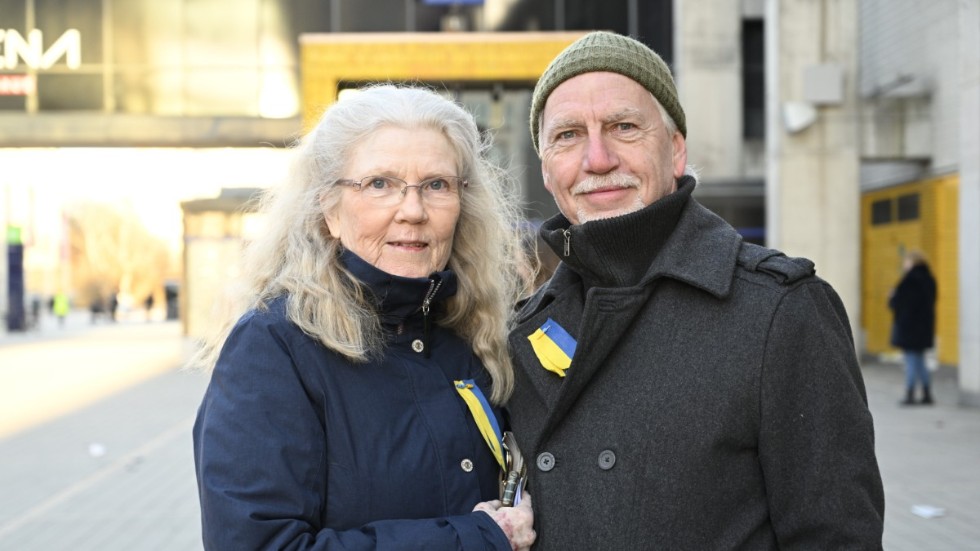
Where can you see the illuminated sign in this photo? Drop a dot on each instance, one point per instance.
(30, 50)
(17, 85)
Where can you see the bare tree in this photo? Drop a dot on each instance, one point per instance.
(113, 252)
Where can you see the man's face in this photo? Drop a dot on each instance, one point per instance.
(605, 150)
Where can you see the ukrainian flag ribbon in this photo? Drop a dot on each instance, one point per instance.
(486, 421)
(553, 346)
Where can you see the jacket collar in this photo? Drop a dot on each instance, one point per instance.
(701, 251)
(399, 298)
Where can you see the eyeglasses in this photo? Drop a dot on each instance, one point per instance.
(389, 191)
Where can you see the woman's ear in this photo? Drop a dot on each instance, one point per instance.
(329, 215)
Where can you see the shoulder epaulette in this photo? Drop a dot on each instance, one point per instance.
(774, 263)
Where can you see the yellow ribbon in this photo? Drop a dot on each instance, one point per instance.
(551, 356)
(486, 421)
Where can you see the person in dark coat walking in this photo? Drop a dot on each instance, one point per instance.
(913, 304)
(677, 388)
(355, 399)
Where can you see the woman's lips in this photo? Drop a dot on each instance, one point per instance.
(413, 245)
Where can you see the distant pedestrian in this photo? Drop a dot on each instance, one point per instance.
(148, 303)
(36, 312)
(913, 303)
(113, 306)
(97, 308)
(60, 307)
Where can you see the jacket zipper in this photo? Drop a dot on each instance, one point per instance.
(434, 283)
(568, 241)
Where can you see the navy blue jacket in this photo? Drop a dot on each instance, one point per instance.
(914, 306)
(298, 448)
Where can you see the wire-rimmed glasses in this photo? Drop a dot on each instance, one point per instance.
(388, 191)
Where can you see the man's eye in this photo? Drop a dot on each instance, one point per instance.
(566, 135)
(625, 126)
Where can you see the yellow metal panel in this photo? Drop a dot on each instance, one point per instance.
(327, 60)
(934, 233)
(947, 270)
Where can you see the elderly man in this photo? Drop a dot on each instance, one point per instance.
(676, 388)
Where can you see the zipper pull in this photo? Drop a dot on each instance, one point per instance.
(568, 241)
(434, 283)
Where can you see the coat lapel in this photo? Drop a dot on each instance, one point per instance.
(608, 316)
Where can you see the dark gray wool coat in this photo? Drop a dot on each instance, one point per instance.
(713, 403)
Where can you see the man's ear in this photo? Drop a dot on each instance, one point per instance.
(547, 182)
(680, 154)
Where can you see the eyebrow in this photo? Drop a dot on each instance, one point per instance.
(627, 113)
(564, 123)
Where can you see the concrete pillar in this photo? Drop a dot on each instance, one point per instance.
(969, 203)
(706, 60)
(3, 263)
(812, 188)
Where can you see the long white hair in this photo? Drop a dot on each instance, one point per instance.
(297, 257)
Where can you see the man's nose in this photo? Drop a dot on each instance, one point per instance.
(600, 158)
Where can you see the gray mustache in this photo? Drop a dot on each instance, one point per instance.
(616, 180)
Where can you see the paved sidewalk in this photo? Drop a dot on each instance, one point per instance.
(929, 456)
(116, 472)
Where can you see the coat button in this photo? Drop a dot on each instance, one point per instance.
(606, 459)
(417, 345)
(546, 461)
(466, 464)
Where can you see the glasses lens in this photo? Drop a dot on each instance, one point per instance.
(388, 191)
(381, 188)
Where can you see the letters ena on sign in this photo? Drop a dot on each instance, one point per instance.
(15, 48)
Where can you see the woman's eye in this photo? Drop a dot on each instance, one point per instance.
(438, 185)
(378, 183)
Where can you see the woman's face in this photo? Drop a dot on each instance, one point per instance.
(413, 236)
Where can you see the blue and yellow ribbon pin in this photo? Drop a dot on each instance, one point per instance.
(483, 415)
(553, 346)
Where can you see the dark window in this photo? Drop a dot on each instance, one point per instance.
(656, 27)
(13, 103)
(881, 212)
(753, 80)
(69, 92)
(908, 207)
(654, 19)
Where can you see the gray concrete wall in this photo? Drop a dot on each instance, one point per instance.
(969, 215)
(708, 67)
(812, 179)
(909, 69)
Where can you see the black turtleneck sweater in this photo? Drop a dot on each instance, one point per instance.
(618, 251)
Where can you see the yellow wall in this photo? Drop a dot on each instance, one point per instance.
(327, 60)
(935, 233)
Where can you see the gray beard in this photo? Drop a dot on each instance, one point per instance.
(584, 216)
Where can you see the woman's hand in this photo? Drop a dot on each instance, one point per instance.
(516, 522)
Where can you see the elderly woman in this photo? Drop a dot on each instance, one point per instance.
(378, 295)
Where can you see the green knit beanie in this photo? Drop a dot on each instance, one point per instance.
(606, 51)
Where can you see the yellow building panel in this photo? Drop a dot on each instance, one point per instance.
(883, 245)
(329, 60)
(947, 271)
